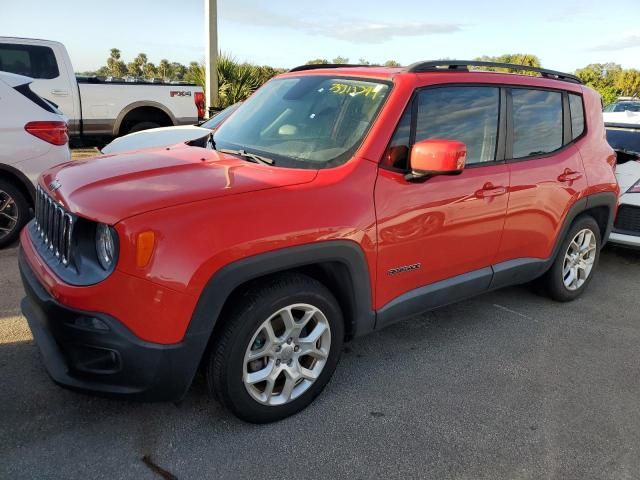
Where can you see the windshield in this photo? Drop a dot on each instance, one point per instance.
(313, 121)
(623, 107)
(215, 121)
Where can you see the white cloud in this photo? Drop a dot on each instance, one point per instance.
(626, 41)
(355, 31)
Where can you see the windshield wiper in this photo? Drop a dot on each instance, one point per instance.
(249, 156)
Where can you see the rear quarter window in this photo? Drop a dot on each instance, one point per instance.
(577, 115)
(33, 61)
(35, 98)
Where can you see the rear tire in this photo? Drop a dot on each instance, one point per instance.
(14, 213)
(575, 264)
(266, 363)
(138, 127)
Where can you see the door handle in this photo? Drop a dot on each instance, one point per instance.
(60, 93)
(489, 190)
(569, 176)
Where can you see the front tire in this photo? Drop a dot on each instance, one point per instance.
(14, 213)
(278, 349)
(576, 261)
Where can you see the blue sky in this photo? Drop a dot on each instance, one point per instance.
(565, 34)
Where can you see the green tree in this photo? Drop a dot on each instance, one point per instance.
(115, 66)
(318, 61)
(164, 69)
(391, 63)
(362, 61)
(150, 70)
(527, 59)
(134, 69)
(603, 78)
(178, 71)
(141, 60)
(627, 83)
(340, 60)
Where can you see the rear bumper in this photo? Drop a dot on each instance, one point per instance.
(109, 360)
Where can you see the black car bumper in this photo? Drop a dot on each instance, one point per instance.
(94, 352)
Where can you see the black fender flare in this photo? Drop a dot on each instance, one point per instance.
(221, 285)
(602, 199)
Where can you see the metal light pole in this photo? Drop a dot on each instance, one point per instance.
(211, 51)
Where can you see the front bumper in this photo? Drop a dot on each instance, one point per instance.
(111, 361)
(624, 239)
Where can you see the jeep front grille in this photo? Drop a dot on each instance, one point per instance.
(54, 226)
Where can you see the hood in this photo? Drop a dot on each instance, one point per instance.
(156, 137)
(110, 188)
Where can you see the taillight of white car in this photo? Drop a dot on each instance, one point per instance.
(635, 188)
(55, 133)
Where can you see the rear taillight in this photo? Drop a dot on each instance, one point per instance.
(199, 99)
(51, 132)
(635, 188)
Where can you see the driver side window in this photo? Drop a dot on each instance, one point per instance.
(468, 114)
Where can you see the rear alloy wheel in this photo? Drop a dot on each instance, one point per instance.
(277, 350)
(579, 259)
(574, 265)
(14, 213)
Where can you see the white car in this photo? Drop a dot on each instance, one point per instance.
(165, 136)
(33, 138)
(625, 140)
(622, 111)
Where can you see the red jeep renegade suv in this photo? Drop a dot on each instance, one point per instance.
(333, 202)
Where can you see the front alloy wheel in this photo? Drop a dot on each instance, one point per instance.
(287, 354)
(278, 348)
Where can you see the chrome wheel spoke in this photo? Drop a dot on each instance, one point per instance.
(261, 375)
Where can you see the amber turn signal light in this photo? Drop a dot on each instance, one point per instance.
(144, 247)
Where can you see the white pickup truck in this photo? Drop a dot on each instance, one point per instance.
(97, 107)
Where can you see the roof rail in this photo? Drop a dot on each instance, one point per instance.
(315, 66)
(457, 65)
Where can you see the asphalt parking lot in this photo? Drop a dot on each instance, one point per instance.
(509, 385)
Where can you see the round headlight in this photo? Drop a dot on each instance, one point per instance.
(105, 246)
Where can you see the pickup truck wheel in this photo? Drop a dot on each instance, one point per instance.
(14, 213)
(278, 349)
(138, 127)
(577, 259)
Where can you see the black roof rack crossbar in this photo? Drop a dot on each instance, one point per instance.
(315, 66)
(444, 65)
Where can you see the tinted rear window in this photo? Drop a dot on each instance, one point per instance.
(577, 115)
(537, 122)
(32, 61)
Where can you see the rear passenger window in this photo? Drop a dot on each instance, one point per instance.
(467, 114)
(537, 122)
(577, 115)
(32, 61)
